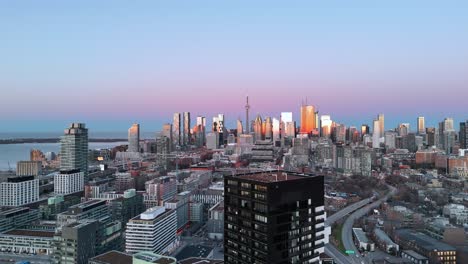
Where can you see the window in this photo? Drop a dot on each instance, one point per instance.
(245, 185)
(261, 218)
(262, 208)
(231, 182)
(260, 196)
(260, 188)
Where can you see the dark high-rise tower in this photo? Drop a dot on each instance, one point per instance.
(463, 137)
(274, 217)
(247, 108)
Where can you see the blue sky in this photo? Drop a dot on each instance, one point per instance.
(111, 63)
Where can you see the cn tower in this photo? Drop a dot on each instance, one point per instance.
(247, 107)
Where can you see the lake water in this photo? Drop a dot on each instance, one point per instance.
(13, 153)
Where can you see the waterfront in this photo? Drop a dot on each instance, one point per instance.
(12, 153)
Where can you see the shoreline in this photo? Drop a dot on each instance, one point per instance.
(55, 140)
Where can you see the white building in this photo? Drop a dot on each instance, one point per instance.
(152, 231)
(376, 134)
(362, 241)
(67, 182)
(134, 138)
(456, 212)
(19, 191)
(212, 140)
(28, 168)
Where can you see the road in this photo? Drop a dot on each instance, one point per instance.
(347, 234)
(332, 251)
(345, 211)
(347, 238)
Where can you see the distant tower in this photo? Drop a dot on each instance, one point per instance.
(176, 128)
(74, 149)
(421, 125)
(239, 127)
(247, 108)
(186, 130)
(134, 138)
(258, 128)
(268, 128)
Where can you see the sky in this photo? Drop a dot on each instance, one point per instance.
(112, 63)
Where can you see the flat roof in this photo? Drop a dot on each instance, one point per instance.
(200, 261)
(114, 257)
(423, 240)
(31, 233)
(414, 254)
(154, 258)
(360, 235)
(194, 251)
(383, 236)
(273, 176)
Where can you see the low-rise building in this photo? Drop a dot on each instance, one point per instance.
(362, 241)
(385, 242)
(414, 257)
(12, 218)
(436, 251)
(23, 241)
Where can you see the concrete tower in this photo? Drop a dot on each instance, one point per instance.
(247, 108)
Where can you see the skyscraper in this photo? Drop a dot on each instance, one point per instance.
(167, 132)
(421, 125)
(381, 120)
(268, 129)
(308, 119)
(286, 123)
(280, 215)
(325, 125)
(74, 149)
(186, 136)
(463, 137)
(404, 129)
(376, 134)
(134, 138)
(247, 121)
(276, 129)
(239, 127)
(258, 128)
(365, 129)
(176, 128)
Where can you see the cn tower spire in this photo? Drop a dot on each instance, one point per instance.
(247, 108)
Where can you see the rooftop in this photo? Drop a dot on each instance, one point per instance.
(200, 261)
(383, 236)
(113, 257)
(272, 176)
(30, 233)
(194, 251)
(361, 236)
(414, 255)
(424, 241)
(154, 258)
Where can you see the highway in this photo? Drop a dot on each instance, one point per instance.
(347, 234)
(332, 251)
(359, 209)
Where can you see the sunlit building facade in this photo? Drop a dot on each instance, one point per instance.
(134, 138)
(308, 119)
(421, 125)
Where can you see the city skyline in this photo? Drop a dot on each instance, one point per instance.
(140, 63)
